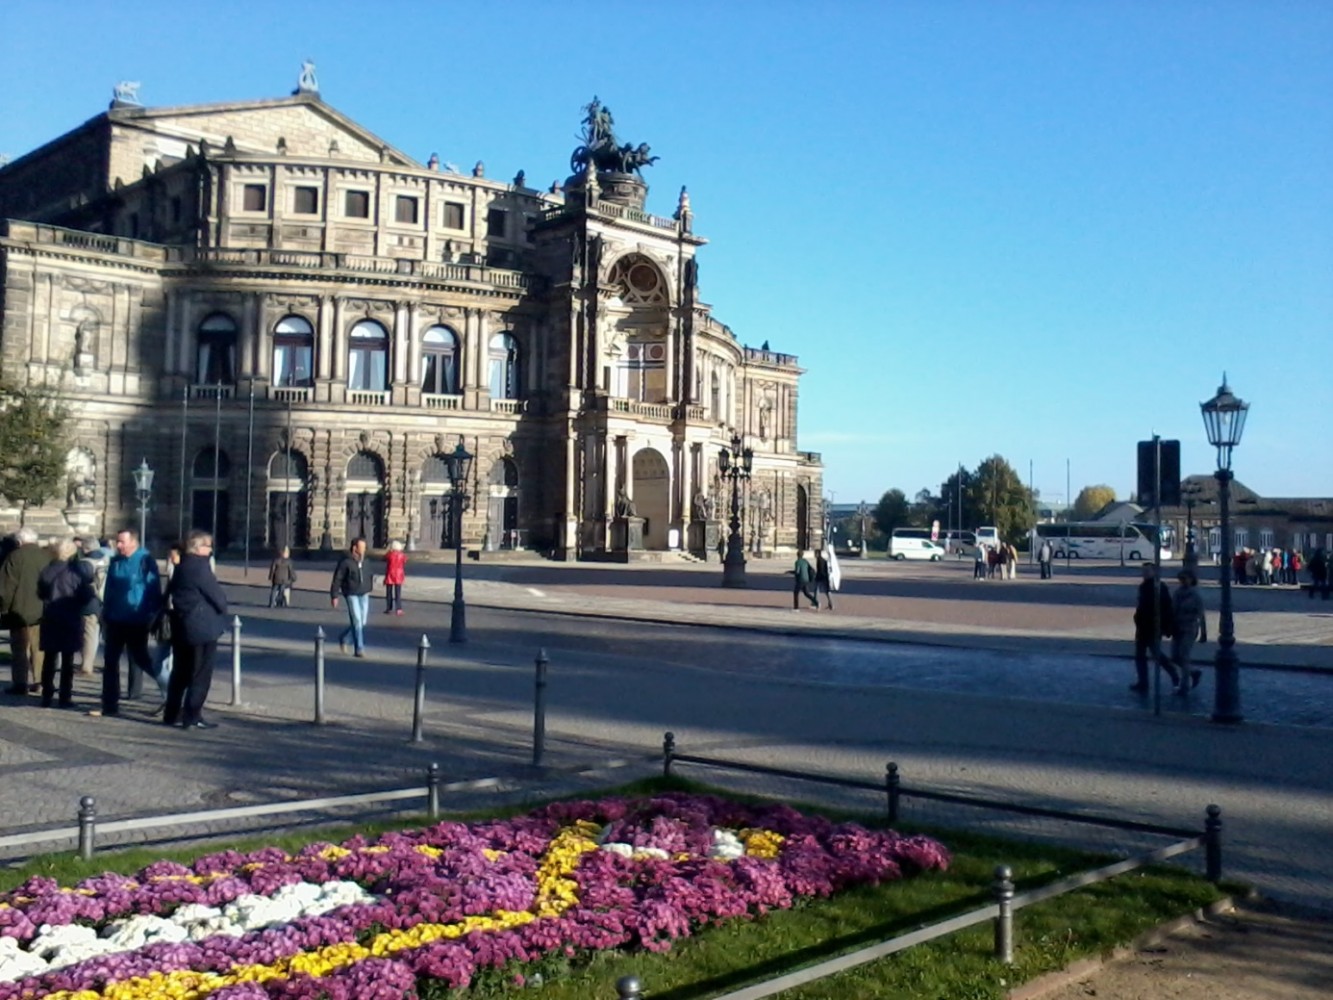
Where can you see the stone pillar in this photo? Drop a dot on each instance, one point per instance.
(398, 348)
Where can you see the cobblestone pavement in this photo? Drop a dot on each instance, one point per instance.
(1052, 726)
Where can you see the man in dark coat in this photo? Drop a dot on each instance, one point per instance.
(198, 617)
(21, 609)
(1149, 627)
(823, 578)
(65, 587)
(351, 582)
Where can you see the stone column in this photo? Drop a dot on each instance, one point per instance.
(399, 345)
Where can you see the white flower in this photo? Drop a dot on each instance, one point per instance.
(726, 846)
(624, 850)
(15, 963)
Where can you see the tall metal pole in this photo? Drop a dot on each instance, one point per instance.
(217, 458)
(185, 422)
(458, 612)
(1156, 574)
(249, 475)
(1226, 687)
(287, 480)
(1069, 516)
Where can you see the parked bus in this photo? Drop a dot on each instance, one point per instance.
(1103, 540)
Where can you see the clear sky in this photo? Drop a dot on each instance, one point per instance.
(1041, 229)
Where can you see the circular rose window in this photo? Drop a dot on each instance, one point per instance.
(643, 278)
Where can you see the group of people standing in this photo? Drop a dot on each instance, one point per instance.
(58, 600)
(1269, 567)
(1000, 562)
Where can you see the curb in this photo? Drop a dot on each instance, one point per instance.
(1050, 981)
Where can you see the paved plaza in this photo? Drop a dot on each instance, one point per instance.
(1008, 689)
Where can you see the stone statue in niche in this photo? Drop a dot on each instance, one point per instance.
(80, 479)
(703, 506)
(624, 505)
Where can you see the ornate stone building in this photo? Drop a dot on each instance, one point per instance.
(293, 322)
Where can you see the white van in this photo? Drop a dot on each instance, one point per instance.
(960, 543)
(914, 543)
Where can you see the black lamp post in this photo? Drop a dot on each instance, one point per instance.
(1224, 419)
(459, 464)
(143, 490)
(1190, 498)
(735, 463)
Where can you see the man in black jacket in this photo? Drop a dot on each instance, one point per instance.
(351, 582)
(1149, 627)
(198, 617)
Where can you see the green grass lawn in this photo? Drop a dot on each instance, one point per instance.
(1048, 935)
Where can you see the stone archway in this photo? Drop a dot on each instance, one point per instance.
(364, 498)
(652, 495)
(502, 529)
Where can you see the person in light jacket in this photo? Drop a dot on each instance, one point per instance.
(1190, 626)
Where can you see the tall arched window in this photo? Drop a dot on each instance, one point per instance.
(368, 357)
(215, 360)
(715, 397)
(293, 351)
(503, 370)
(439, 361)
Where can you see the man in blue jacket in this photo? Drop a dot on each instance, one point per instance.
(131, 602)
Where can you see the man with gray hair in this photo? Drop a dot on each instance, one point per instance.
(131, 602)
(21, 609)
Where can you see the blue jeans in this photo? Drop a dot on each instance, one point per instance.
(358, 607)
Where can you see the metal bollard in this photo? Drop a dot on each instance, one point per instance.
(433, 781)
(87, 826)
(1212, 843)
(1003, 888)
(419, 701)
(668, 753)
(319, 676)
(235, 660)
(628, 988)
(892, 784)
(539, 710)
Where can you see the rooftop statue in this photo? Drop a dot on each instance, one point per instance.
(126, 92)
(307, 83)
(600, 149)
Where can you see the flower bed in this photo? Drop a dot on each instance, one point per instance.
(378, 919)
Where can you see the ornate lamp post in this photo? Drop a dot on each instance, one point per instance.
(1224, 419)
(735, 463)
(459, 464)
(143, 490)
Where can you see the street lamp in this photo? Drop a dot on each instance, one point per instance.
(1224, 420)
(459, 465)
(1190, 497)
(143, 489)
(735, 463)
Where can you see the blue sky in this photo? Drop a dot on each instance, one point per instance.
(1041, 229)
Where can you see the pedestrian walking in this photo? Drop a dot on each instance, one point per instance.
(1150, 625)
(65, 587)
(1188, 627)
(353, 583)
(1044, 559)
(198, 617)
(21, 609)
(281, 579)
(823, 577)
(802, 583)
(395, 572)
(131, 602)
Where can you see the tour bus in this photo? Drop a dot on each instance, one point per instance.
(914, 543)
(1103, 540)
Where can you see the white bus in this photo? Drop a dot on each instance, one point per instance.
(1102, 540)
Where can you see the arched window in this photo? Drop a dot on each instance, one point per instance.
(715, 397)
(207, 461)
(439, 361)
(365, 466)
(288, 465)
(503, 370)
(368, 358)
(435, 470)
(293, 351)
(216, 345)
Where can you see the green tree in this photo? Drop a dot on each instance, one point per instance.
(892, 511)
(1092, 499)
(34, 440)
(996, 495)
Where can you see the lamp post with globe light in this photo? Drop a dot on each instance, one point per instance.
(1224, 419)
(143, 491)
(735, 463)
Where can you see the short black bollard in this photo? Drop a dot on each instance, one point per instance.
(319, 676)
(539, 710)
(628, 988)
(668, 753)
(1003, 888)
(1212, 843)
(892, 784)
(433, 780)
(235, 660)
(419, 701)
(87, 826)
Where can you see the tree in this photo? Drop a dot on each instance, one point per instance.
(1092, 499)
(34, 441)
(998, 496)
(892, 511)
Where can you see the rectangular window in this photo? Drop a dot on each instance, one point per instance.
(495, 222)
(405, 209)
(176, 209)
(453, 215)
(255, 198)
(305, 201)
(356, 204)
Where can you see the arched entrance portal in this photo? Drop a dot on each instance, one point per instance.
(502, 531)
(365, 499)
(437, 517)
(209, 507)
(802, 519)
(288, 520)
(652, 496)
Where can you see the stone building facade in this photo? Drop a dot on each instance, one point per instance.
(293, 323)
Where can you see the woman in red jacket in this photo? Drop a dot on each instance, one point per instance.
(395, 570)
